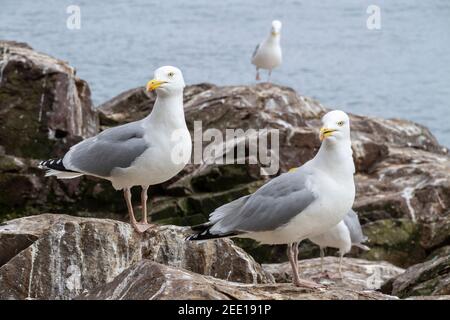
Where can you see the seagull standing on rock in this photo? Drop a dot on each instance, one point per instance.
(141, 153)
(342, 236)
(267, 54)
(294, 206)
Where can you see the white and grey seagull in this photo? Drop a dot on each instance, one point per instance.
(141, 153)
(342, 236)
(267, 54)
(298, 205)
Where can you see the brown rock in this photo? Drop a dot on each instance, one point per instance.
(16, 235)
(59, 256)
(43, 105)
(358, 274)
(430, 278)
(148, 280)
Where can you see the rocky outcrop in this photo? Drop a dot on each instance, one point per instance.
(148, 280)
(58, 256)
(357, 274)
(53, 256)
(44, 109)
(430, 278)
(43, 105)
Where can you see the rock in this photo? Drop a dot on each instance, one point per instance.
(58, 256)
(358, 274)
(44, 110)
(25, 191)
(395, 239)
(430, 278)
(148, 280)
(443, 297)
(441, 252)
(44, 106)
(17, 235)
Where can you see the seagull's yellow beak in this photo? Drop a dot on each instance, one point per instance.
(325, 132)
(153, 84)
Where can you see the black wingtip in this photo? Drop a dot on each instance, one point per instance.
(205, 234)
(55, 164)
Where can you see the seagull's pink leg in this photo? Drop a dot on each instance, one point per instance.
(144, 198)
(139, 227)
(257, 75)
(341, 255)
(127, 195)
(322, 253)
(290, 254)
(296, 254)
(299, 282)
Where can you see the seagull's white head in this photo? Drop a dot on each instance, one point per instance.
(335, 127)
(167, 80)
(276, 27)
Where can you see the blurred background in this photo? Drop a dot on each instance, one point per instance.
(401, 70)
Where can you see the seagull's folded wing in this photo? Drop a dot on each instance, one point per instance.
(270, 207)
(354, 227)
(113, 148)
(255, 51)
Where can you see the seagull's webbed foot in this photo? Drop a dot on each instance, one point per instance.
(141, 227)
(304, 283)
(330, 275)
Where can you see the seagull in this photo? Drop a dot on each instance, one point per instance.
(141, 153)
(295, 205)
(343, 236)
(267, 54)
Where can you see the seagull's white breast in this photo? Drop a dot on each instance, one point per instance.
(268, 56)
(167, 155)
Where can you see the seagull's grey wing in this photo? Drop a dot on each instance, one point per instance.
(255, 51)
(352, 222)
(113, 148)
(270, 207)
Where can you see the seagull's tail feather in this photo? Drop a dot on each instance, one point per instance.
(361, 246)
(203, 233)
(62, 174)
(55, 167)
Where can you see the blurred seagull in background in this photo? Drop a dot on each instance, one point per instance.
(141, 153)
(342, 236)
(294, 206)
(267, 54)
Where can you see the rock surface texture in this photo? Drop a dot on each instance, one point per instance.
(148, 280)
(58, 256)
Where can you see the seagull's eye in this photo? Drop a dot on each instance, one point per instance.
(171, 74)
(340, 123)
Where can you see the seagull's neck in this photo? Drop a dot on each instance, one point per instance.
(336, 159)
(168, 111)
(273, 40)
